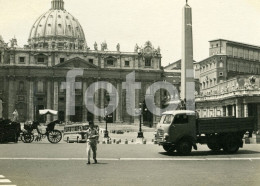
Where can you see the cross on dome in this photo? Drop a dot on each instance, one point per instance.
(57, 5)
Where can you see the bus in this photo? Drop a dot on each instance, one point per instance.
(76, 132)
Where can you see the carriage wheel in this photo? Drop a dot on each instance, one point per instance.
(54, 136)
(27, 137)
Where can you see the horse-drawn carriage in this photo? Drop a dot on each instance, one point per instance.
(9, 131)
(53, 135)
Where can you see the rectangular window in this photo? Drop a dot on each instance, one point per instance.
(91, 61)
(168, 119)
(40, 60)
(246, 54)
(110, 62)
(240, 52)
(251, 54)
(62, 60)
(40, 86)
(255, 55)
(229, 51)
(147, 62)
(62, 89)
(21, 59)
(181, 119)
(235, 52)
(40, 99)
(127, 63)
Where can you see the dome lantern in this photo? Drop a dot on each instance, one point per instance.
(57, 5)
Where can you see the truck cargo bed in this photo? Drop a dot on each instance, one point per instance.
(227, 124)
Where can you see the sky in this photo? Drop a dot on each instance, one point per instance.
(131, 22)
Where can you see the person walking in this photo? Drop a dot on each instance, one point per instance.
(92, 137)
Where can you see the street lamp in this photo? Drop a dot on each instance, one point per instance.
(140, 133)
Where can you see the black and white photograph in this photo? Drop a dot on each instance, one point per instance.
(129, 92)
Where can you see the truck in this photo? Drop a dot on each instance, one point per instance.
(182, 130)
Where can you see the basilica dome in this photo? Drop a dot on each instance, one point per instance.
(57, 29)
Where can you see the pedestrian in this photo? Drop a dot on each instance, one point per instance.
(92, 137)
(15, 115)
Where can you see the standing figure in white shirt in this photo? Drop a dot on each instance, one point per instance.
(92, 138)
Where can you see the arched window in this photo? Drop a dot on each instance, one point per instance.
(221, 64)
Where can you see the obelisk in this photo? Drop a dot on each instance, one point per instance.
(187, 72)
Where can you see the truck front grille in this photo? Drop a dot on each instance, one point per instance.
(160, 133)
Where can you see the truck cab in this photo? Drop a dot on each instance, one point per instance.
(181, 129)
(177, 130)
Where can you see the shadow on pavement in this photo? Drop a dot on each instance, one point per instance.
(98, 163)
(209, 153)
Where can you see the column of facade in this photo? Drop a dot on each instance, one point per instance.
(158, 104)
(31, 106)
(222, 111)
(158, 99)
(214, 111)
(258, 117)
(1, 108)
(84, 106)
(119, 103)
(11, 97)
(55, 98)
(49, 61)
(137, 101)
(96, 101)
(114, 83)
(48, 117)
(245, 110)
(238, 110)
(233, 110)
(227, 114)
(153, 109)
(67, 117)
(102, 101)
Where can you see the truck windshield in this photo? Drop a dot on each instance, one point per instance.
(167, 119)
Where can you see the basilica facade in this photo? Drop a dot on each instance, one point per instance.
(31, 76)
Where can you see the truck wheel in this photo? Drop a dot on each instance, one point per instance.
(169, 148)
(184, 147)
(231, 144)
(214, 146)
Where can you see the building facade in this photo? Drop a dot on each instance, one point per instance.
(229, 80)
(31, 76)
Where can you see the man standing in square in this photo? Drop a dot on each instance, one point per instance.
(92, 137)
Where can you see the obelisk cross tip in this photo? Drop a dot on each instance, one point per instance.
(186, 1)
